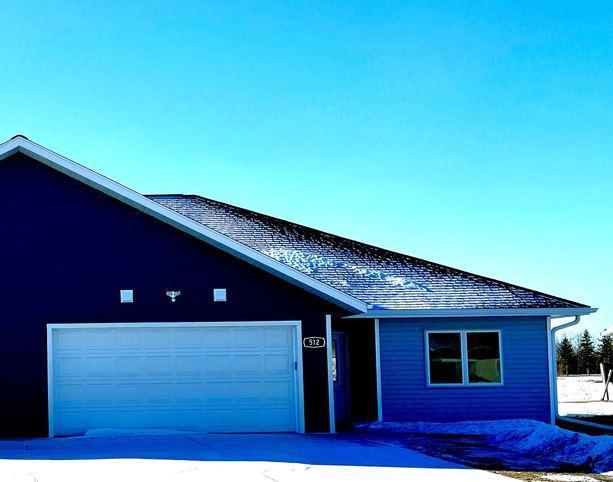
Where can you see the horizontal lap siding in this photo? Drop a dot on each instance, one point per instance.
(405, 396)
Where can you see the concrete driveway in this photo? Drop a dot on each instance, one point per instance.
(191, 457)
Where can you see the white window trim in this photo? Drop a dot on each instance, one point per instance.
(296, 324)
(378, 371)
(464, 354)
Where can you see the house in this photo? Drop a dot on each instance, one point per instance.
(174, 311)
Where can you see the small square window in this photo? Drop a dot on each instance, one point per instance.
(126, 296)
(220, 294)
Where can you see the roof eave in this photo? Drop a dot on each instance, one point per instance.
(183, 223)
(468, 312)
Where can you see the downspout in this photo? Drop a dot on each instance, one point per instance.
(553, 365)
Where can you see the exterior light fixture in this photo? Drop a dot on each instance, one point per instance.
(173, 295)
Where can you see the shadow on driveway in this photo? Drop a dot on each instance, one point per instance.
(348, 450)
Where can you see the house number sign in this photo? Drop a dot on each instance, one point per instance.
(314, 342)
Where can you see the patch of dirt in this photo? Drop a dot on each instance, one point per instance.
(554, 476)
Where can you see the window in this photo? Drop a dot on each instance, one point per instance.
(483, 354)
(445, 351)
(464, 357)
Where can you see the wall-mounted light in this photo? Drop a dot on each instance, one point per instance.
(220, 294)
(173, 295)
(126, 296)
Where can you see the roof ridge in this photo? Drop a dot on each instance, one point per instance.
(422, 261)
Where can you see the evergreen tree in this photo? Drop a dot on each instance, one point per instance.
(567, 359)
(605, 351)
(586, 354)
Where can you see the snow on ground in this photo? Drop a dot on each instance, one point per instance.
(137, 455)
(581, 388)
(568, 478)
(524, 437)
(580, 396)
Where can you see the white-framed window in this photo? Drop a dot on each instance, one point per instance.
(459, 358)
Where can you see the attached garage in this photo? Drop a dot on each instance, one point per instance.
(95, 334)
(213, 377)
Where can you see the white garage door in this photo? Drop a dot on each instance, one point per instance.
(214, 377)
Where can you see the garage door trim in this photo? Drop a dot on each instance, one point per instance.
(298, 379)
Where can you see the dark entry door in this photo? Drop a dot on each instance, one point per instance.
(340, 378)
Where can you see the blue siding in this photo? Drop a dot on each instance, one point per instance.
(405, 396)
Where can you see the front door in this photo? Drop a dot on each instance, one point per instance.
(340, 378)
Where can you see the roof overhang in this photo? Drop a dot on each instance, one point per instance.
(550, 312)
(140, 202)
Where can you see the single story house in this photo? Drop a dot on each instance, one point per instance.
(121, 310)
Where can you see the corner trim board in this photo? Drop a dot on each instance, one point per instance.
(331, 413)
(552, 377)
(378, 371)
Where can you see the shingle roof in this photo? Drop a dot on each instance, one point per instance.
(382, 278)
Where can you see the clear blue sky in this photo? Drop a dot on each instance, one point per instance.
(476, 134)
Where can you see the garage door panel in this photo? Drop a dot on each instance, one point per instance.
(278, 391)
(247, 364)
(278, 364)
(246, 337)
(224, 379)
(128, 366)
(159, 366)
(128, 338)
(189, 366)
(217, 339)
(69, 367)
(96, 339)
(97, 394)
(277, 338)
(68, 341)
(74, 395)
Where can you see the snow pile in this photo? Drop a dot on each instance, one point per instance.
(527, 437)
(310, 263)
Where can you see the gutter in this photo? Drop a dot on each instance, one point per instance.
(553, 363)
(473, 312)
(551, 334)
